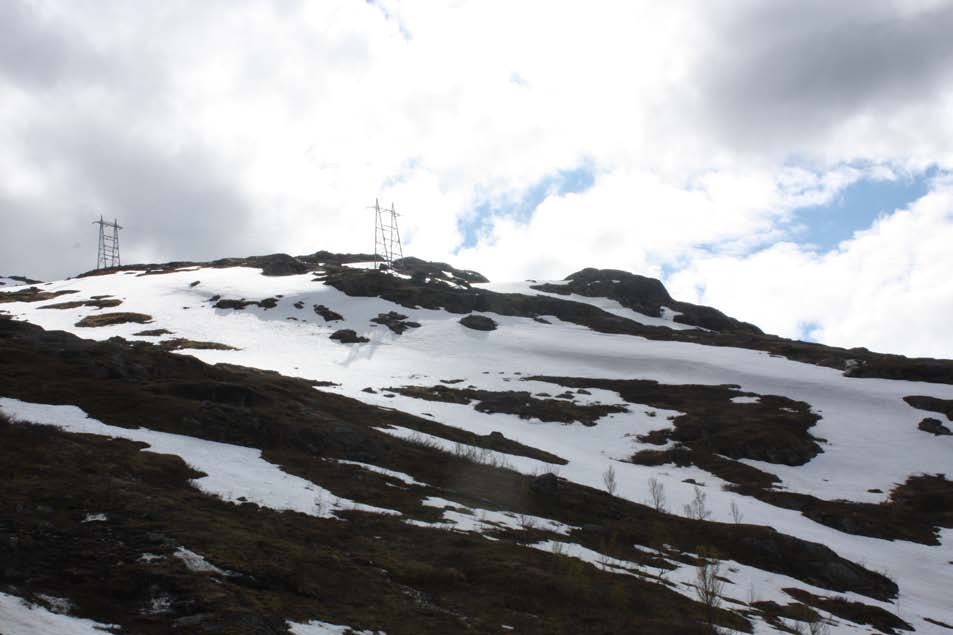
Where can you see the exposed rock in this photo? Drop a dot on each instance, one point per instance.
(238, 305)
(856, 612)
(327, 314)
(644, 295)
(328, 258)
(111, 319)
(478, 323)
(519, 403)
(545, 484)
(421, 270)
(348, 336)
(24, 279)
(934, 426)
(95, 303)
(396, 322)
(931, 404)
(278, 265)
(153, 333)
(32, 294)
(773, 429)
(179, 343)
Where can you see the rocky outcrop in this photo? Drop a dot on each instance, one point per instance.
(111, 319)
(396, 322)
(644, 295)
(238, 305)
(327, 314)
(933, 426)
(422, 270)
(348, 336)
(478, 323)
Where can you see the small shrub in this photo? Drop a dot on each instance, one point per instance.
(608, 477)
(736, 514)
(657, 495)
(696, 510)
(708, 586)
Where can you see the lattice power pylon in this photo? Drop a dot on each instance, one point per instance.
(387, 247)
(107, 255)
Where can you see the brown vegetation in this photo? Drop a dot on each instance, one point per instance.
(111, 319)
(95, 303)
(856, 612)
(773, 429)
(520, 403)
(31, 294)
(132, 384)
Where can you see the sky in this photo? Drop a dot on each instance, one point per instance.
(788, 162)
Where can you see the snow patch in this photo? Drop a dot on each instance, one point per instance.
(234, 473)
(196, 562)
(400, 476)
(317, 627)
(476, 520)
(19, 617)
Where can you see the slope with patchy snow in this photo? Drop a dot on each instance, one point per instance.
(869, 434)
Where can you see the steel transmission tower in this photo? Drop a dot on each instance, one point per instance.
(107, 255)
(387, 247)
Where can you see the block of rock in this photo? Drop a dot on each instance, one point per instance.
(348, 336)
(478, 323)
(396, 322)
(934, 426)
(327, 314)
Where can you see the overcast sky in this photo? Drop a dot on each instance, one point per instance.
(790, 163)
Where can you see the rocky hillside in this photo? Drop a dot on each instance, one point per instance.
(311, 445)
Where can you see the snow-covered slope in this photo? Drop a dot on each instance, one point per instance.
(868, 433)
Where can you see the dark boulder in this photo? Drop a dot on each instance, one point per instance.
(396, 322)
(644, 295)
(327, 314)
(478, 323)
(933, 426)
(348, 336)
(545, 484)
(420, 270)
(279, 265)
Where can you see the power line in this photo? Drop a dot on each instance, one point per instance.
(387, 245)
(107, 254)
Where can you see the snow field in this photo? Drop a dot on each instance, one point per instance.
(19, 617)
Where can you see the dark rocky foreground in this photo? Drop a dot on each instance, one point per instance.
(366, 570)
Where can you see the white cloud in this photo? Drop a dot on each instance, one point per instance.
(887, 288)
(220, 128)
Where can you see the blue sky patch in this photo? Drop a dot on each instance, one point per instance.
(856, 208)
(521, 206)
